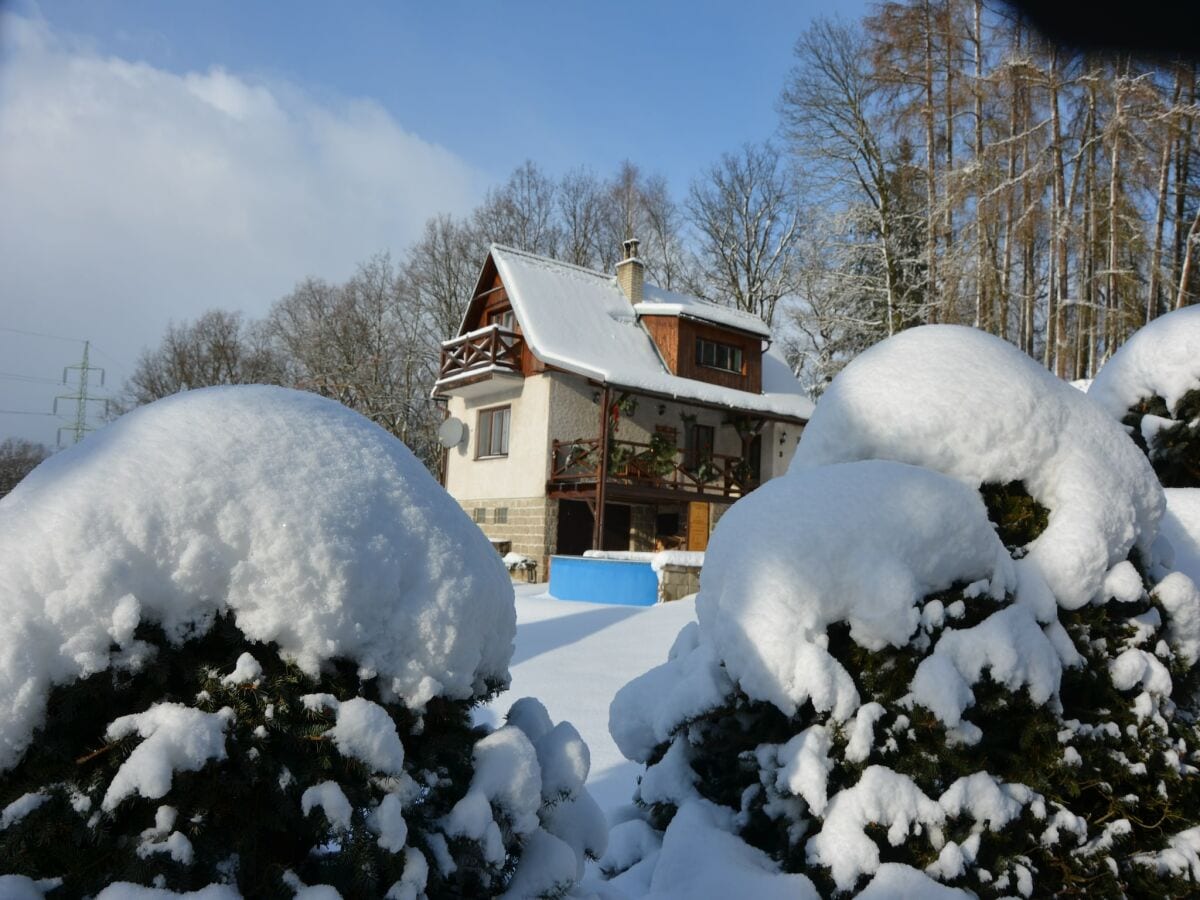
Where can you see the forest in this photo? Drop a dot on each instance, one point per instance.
(935, 161)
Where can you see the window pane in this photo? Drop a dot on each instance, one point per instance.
(502, 427)
(483, 442)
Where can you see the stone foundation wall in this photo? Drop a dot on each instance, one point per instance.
(530, 524)
(676, 582)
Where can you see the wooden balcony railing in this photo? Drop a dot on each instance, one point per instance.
(491, 346)
(632, 463)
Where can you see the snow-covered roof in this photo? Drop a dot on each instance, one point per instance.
(579, 320)
(661, 302)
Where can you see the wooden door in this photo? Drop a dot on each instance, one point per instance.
(697, 527)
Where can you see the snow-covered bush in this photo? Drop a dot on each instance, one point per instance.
(1181, 528)
(938, 656)
(241, 633)
(1152, 385)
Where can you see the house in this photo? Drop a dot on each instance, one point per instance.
(593, 411)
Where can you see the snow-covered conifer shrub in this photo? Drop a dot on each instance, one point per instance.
(1152, 385)
(243, 632)
(941, 655)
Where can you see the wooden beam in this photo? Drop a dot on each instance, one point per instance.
(602, 474)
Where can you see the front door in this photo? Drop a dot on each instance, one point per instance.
(697, 531)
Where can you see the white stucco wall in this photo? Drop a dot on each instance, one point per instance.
(779, 446)
(640, 426)
(575, 415)
(523, 472)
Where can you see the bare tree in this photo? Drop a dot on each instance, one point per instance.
(367, 343)
(521, 212)
(582, 202)
(830, 114)
(440, 271)
(218, 348)
(19, 457)
(747, 224)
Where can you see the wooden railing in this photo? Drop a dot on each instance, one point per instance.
(491, 346)
(633, 463)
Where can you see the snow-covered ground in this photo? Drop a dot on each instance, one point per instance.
(574, 656)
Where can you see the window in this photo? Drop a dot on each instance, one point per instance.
(480, 515)
(718, 356)
(502, 317)
(492, 432)
(501, 516)
(700, 440)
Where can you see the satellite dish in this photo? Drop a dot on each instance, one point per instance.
(450, 433)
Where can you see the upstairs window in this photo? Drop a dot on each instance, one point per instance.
(492, 432)
(715, 355)
(502, 317)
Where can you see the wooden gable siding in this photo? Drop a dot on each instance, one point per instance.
(675, 337)
(491, 296)
(664, 330)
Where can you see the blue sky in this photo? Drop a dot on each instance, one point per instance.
(159, 159)
(670, 85)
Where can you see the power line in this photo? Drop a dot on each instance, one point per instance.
(112, 359)
(24, 412)
(53, 337)
(33, 379)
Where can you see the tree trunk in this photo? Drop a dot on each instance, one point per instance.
(1153, 300)
(931, 237)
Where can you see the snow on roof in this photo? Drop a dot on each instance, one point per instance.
(314, 527)
(1161, 359)
(966, 403)
(578, 320)
(661, 302)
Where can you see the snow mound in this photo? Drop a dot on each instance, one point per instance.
(314, 527)
(701, 858)
(1161, 359)
(1181, 526)
(965, 403)
(859, 543)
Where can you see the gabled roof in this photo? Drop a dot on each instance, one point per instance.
(579, 320)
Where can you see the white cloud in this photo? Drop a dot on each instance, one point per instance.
(132, 195)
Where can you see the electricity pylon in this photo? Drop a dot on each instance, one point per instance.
(81, 398)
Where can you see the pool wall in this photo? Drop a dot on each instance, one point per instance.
(624, 582)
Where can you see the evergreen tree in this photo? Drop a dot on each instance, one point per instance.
(1170, 438)
(1105, 766)
(865, 688)
(295, 792)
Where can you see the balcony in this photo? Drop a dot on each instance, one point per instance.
(650, 471)
(477, 358)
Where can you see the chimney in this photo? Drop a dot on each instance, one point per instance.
(631, 274)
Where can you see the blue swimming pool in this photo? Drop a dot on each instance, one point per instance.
(619, 581)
